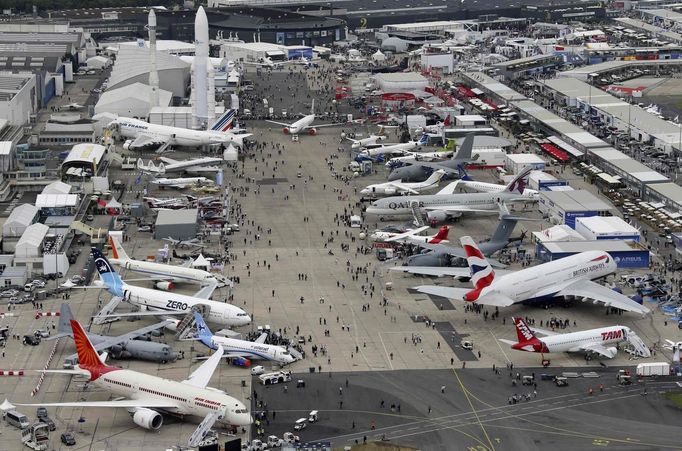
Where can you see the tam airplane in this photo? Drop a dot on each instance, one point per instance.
(160, 303)
(141, 134)
(391, 188)
(303, 125)
(252, 350)
(603, 341)
(566, 277)
(148, 397)
(164, 275)
(182, 182)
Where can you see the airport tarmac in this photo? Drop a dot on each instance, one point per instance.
(296, 217)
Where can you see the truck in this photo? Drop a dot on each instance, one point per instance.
(276, 377)
(653, 369)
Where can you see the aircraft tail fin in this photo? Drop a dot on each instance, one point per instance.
(520, 182)
(464, 151)
(64, 326)
(88, 359)
(205, 334)
(424, 140)
(117, 249)
(504, 228)
(225, 122)
(523, 332)
(482, 274)
(463, 175)
(107, 274)
(442, 235)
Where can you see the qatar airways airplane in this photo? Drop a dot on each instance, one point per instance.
(566, 277)
(149, 396)
(603, 341)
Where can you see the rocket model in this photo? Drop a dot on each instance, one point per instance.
(153, 74)
(200, 92)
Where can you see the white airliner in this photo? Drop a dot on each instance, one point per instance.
(397, 187)
(566, 277)
(483, 187)
(359, 143)
(394, 148)
(149, 396)
(195, 166)
(160, 303)
(602, 341)
(252, 350)
(165, 275)
(141, 134)
(182, 182)
(441, 237)
(303, 125)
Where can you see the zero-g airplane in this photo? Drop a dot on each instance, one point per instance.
(602, 341)
(397, 187)
(567, 277)
(232, 347)
(149, 396)
(440, 207)
(160, 303)
(141, 134)
(124, 346)
(164, 275)
(303, 125)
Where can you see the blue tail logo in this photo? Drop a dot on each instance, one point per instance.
(205, 334)
(462, 173)
(224, 123)
(424, 139)
(107, 274)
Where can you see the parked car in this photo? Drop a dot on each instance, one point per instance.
(41, 412)
(144, 228)
(77, 279)
(38, 283)
(9, 293)
(31, 340)
(68, 439)
(42, 333)
(48, 421)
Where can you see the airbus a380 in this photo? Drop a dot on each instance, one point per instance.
(567, 277)
(602, 341)
(164, 274)
(161, 303)
(303, 125)
(142, 134)
(149, 396)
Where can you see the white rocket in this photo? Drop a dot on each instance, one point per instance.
(200, 72)
(153, 73)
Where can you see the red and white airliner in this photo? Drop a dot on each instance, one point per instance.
(149, 395)
(602, 341)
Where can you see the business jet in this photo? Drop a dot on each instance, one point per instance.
(567, 277)
(168, 165)
(603, 341)
(483, 187)
(417, 157)
(164, 275)
(160, 303)
(370, 140)
(234, 348)
(387, 149)
(182, 182)
(148, 397)
(396, 187)
(303, 125)
(141, 135)
(411, 237)
(445, 204)
(126, 346)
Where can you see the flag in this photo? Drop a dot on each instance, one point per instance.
(219, 178)
(138, 179)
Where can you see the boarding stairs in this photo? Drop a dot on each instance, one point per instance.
(638, 347)
(184, 329)
(417, 214)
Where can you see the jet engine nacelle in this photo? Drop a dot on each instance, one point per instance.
(436, 216)
(173, 325)
(147, 418)
(389, 191)
(127, 143)
(285, 130)
(312, 131)
(164, 285)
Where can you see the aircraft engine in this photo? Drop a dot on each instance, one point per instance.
(312, 131)
(165, 286)
(126, 145)
(389, 191)
(436, 216)
(173, 326)
(285, 130)
(147, 418)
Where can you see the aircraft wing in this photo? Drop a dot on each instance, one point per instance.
(400, 236)
(123, 403)
(148, 140)
(112, 341)
(404, 187)
(449, 188)
(600, 293)
(327, 125)
(202, 375)
(283, 124)
(544, 332)
(456, 252)
(446, 292)
(167, 160)
(436, 166)
(434, 271)
(206, 292)
(455, 209)
(261, 339)
(597, 348)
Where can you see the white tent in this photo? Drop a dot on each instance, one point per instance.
(57, 187)
(98, 62)
(230, 153)
(378, 56)
(560, 232)
(6, 406)
(201, 262)
(130, 100)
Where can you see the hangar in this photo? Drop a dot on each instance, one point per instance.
(83, 160)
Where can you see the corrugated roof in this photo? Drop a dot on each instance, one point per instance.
(22, 216)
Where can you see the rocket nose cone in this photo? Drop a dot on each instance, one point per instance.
(201, 17)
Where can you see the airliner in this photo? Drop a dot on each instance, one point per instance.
(194, 166)
(143, 135)
(164, 275)
(483, 187)
(570, 276)
(150, 396)
(252, 350)
(603, 341)
(391, 188)
(402, 148)
(161, 303)
(305, 124)
(182, 182)
(411, 237)
(440, 207)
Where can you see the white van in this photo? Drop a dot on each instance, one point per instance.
(301, 423)
(17, 419)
